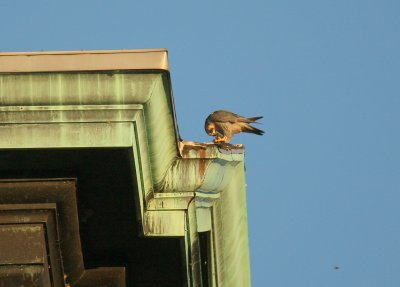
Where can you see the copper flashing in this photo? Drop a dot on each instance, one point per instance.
(68, 61)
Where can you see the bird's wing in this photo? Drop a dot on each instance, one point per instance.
(224, 128)
(224, 116)
(228, 129)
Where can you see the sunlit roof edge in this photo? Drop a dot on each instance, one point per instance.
(84, 60)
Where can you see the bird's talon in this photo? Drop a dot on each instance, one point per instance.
(220, 139)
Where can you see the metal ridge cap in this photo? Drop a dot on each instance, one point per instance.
(85, 60)
(79, 52)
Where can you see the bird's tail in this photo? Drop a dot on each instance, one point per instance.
(250, 129)
(253, 119)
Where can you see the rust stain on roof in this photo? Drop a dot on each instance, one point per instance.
(189, 149)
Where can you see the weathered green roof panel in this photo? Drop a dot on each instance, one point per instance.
(230, 218)
(162, 137)
(77, 88)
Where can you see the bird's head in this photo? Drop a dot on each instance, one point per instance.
(210, 128)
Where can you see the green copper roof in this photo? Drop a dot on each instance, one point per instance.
(184, 187)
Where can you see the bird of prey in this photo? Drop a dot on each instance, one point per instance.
(223, 125)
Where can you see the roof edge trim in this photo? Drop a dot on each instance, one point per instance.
(85, 60)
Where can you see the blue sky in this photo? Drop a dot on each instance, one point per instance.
(323, 182)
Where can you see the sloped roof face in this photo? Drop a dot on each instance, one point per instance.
(91, 99)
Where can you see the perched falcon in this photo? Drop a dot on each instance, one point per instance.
(223, 125)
